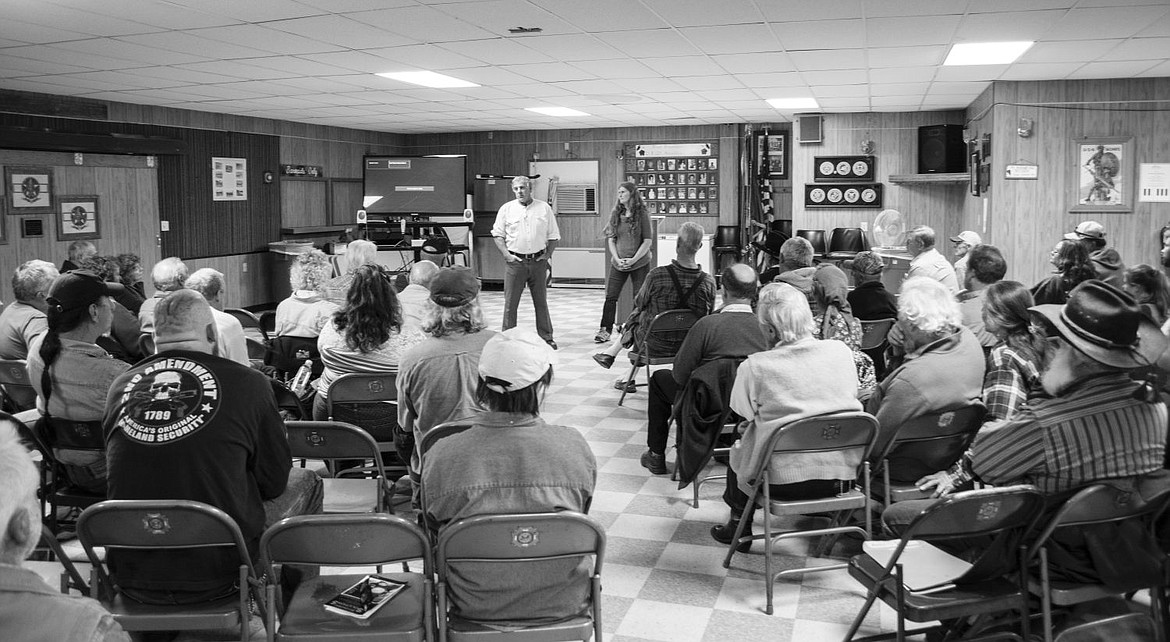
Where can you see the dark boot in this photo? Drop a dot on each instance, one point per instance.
(723, 533)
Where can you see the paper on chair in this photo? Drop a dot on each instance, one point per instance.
(925, 567)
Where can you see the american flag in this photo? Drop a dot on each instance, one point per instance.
(764, 186)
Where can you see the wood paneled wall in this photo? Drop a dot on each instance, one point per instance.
(1027, 217)
(895, 137)
(127, 192)
(246, 277)
(508, 152)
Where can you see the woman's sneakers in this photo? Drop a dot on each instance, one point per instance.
(602, 336)
(603, 360)
(654, 462)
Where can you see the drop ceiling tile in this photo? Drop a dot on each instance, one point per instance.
(821, 34)
(356, 61)
(994, 6)
(1139, 49)
(732, 39)
(1157, 71)
(908, 102)
(233, 91)
(542, 90)
(603, 15)
(297, 66)
(346, 6)
(1068, 51)
(488, 76)
(841, 91)
(423, 20)
(754, 63)
(1112, 69)
(132, 79)
(708, 83)
(859, 104)
(727, 95)
(880, 57)
(956, 88)
(899, 89)
(242, 69)
(53, 53)
(911, 31)
(13, 66)
(497, 51)
(783, 79)
(156, 13)
(975, 72)
(192, 44)
(265, 39)
(948, 102)
(112, 48)
(902, 74)
(838, 77)
(252, 10)
(687, 13)
(341, 31)
(915, 8)
(342, 98)
(26, 32)
(1113, 22)
(829, 59)
(167, 94)
(1160, 27)
(683, 65)
(604, 88)
(649, 85)
(615, 68)
(550, 72)
(571, 47)
(422, 57)
(804, 10)
(1040, 71)
(311, 84)
(498, 16)
(644, 44)
(83, 21)
(1007, 26)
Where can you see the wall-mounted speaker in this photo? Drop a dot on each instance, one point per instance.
(941, 149)
(809, 129)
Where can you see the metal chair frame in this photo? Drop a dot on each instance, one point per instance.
(249, 321)
(678, 321)
(15, 386)
(951, 430)
(425, 444)
(333, 440)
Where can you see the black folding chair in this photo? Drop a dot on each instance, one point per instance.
(664, 336)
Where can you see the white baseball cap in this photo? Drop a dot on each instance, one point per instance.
(968, 237)
(516, 356)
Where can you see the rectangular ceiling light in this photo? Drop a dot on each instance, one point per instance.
(793, 103)
(556, 111)
(427, 79)
(987, 53)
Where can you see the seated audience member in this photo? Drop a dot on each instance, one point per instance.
(122, 341)
(71, 373)
(1108, 266)
(357, 254)
(23, 319)
(131, 297)
(413, 298)
(29, 608)
(943, 369)
(1090, 234)
(799, 377)
(928, 261)
(796, 253)
(186, 424)
(869, 299)
(438, 377)
(78, 252)
(130, 274)
(682, 284)
(1015, 363)
(1072, 266)
(365, 335)
(1151, 289)
(306, 311)
(229, 333)
(832, 320)
(511, 461)
(168, 275)
(985, 266)
(732, 333)
(964, 242)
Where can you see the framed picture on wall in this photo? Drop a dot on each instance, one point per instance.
(77, 218)
(1102, 174)
(30, 190)
(775, 162)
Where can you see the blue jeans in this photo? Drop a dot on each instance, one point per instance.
(533, 273)
(613, 289)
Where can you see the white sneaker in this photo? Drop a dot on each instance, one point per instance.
(602, 336)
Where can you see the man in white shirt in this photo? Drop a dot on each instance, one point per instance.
(526, 234)
(927, 261)
(229, 333)
(963, 244)
(413, 298)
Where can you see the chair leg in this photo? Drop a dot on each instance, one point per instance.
(1045, 597)
(743, 519)
(769, 579)
(629, 377)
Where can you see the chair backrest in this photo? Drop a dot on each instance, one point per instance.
(1100, 504)
(361, 399)
(153, 525)
(268, 322)
(256, 349)
(288, 354)
(15, 385)
(428, 440)
(824, 433)
(521, 537)
(288, 401)
(727, 236)
(666, 332)
(816, 238)
(847, 239)
(873, 333)
(782, 226)
(332, 440)
(345, 540)
(250, 322)
(73, 435)
(935, 437)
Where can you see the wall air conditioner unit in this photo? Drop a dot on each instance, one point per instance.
(576, 198)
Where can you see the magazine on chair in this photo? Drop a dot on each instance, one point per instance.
(365, 597)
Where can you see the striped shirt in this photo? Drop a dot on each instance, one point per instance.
(1095, 430)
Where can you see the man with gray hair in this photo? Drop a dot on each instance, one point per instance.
(357, 253)
(167, 275)
(927, 261)
(795, 254)
(186, 424)
(526, 234)
(78, 252)
(23, 319)
(414, 296)
(29, 608)
(230, 341)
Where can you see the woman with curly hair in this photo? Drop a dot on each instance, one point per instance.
(628, 238)
(365, 335)
(306, 310)
(1071, 260)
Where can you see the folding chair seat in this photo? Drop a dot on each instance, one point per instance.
(847, 432)
(664, 336)
(429, 438)
(166, 525)
(347, 540)
(15, 388)
(940, 437)
(993, 584)
(253, 329)
(334, 440)
(1099, 504)
(512, 541)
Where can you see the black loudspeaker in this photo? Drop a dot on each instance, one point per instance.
(809, 129)
(941, 149)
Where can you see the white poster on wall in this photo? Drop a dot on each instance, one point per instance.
(1154, 183)
(229, 179)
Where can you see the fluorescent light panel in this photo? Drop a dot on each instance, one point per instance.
(793, 103)
(987, 53)
(427, 79)
(556, 111)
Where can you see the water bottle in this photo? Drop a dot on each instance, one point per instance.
(300, 382)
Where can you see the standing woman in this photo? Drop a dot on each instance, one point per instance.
(629, 243)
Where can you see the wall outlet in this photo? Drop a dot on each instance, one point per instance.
(245, 267)
(164, 226)
(864, 226)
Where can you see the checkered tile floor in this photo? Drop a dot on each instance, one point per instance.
(663, 576)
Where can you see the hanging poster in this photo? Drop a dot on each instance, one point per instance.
(229, 179)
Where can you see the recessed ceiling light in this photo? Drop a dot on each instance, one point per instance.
(427, 79)
(556, 111)
(793, 103)
(987, 53)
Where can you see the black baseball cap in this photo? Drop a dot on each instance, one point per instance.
(80, 288)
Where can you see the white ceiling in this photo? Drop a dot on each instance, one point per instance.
(625, 62)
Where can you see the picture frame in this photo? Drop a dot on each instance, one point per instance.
(78, 218)
(776, 166)
(29, 189)
(973, 162)
(1101, 174)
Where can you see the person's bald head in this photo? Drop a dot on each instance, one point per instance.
(423, 272)
(183, 321)
(739, 281)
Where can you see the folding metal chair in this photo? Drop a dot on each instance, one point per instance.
(847, 432)
(15, 388)
(845, 243)
(512, 541)
(369, 401)
(153, 525)
(1131, 627)
(347, 540)
(288, 402)
(57, 489)
(334, 440)
(817, 239)
(873, 333)
(55, 567)
(664, 336)
(940, 437)
(253, 329)
(1002, 516)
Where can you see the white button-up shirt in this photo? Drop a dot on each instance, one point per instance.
(932, 264)
(526, 230)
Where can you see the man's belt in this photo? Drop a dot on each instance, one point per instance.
(534, 255)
